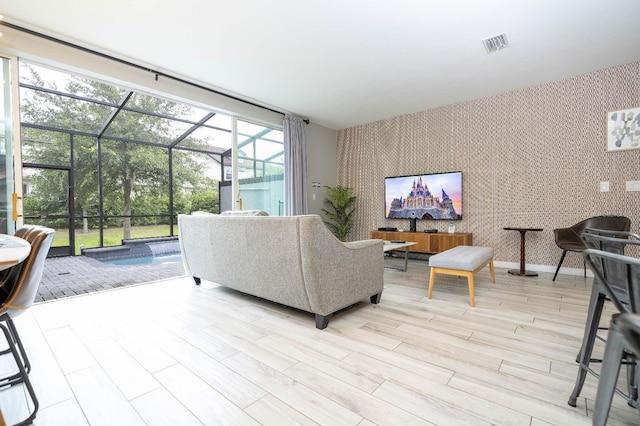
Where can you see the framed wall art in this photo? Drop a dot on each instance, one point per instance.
(623, 129)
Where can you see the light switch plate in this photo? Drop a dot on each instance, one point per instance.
(604, 186)
(632, 185)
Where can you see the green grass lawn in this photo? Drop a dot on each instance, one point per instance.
(112, 236)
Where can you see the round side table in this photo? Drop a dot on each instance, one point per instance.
(522, 272)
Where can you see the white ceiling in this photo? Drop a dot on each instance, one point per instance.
(343, 63)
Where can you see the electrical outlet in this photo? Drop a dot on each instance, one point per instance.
(604, 186)
(632, 185)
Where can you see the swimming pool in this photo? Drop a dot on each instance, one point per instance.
(146, 260)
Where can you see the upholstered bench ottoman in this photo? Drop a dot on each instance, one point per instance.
(463, 261)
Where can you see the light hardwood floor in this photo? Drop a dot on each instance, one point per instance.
(174, 353)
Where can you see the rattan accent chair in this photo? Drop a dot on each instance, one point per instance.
(568, 239)
(17, 293)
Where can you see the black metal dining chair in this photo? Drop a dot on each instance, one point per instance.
(601, 241)
(615, 272)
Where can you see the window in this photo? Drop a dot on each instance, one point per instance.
(135, 161)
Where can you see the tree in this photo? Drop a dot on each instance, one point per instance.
(128, 170)
(206, 200)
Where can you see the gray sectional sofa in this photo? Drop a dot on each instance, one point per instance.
(294, 260)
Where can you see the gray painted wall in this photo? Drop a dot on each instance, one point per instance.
(321, 164)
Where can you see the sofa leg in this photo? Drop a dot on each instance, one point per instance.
(196, 280)
(376, 298)
(322, 321)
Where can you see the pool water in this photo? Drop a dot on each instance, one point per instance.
(147, 260)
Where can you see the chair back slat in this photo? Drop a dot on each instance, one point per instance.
(619, 276)
(617, 242)
(607, 240)
(612, 233)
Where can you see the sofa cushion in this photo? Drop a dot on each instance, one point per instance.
(244, 213)
(462, 258)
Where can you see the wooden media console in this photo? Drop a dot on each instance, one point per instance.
(427, 242)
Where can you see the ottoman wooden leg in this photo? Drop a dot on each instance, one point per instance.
(493, 273)
(472, 294)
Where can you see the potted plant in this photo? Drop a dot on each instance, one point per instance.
(342, 201)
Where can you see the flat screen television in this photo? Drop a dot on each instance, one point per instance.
(434, 196)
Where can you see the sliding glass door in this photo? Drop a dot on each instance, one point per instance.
(9, 194)
(260, 164)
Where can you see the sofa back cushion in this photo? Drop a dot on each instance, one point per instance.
(244, 213)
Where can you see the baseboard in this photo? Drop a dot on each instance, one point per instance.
(543, 268)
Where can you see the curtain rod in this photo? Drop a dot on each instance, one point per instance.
(134, 65)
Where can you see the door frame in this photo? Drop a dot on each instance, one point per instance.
(14, 171)
(64, 250)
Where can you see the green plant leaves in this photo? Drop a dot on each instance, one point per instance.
(342, 201)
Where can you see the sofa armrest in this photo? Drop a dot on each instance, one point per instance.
(338, 274)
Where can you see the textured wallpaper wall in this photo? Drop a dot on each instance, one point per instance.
(533, 157)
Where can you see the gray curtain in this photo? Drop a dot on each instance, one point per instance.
(295, 162)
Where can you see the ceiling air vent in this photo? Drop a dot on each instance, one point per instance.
(495, 43)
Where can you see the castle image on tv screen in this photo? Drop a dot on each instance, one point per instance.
(437, 196)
